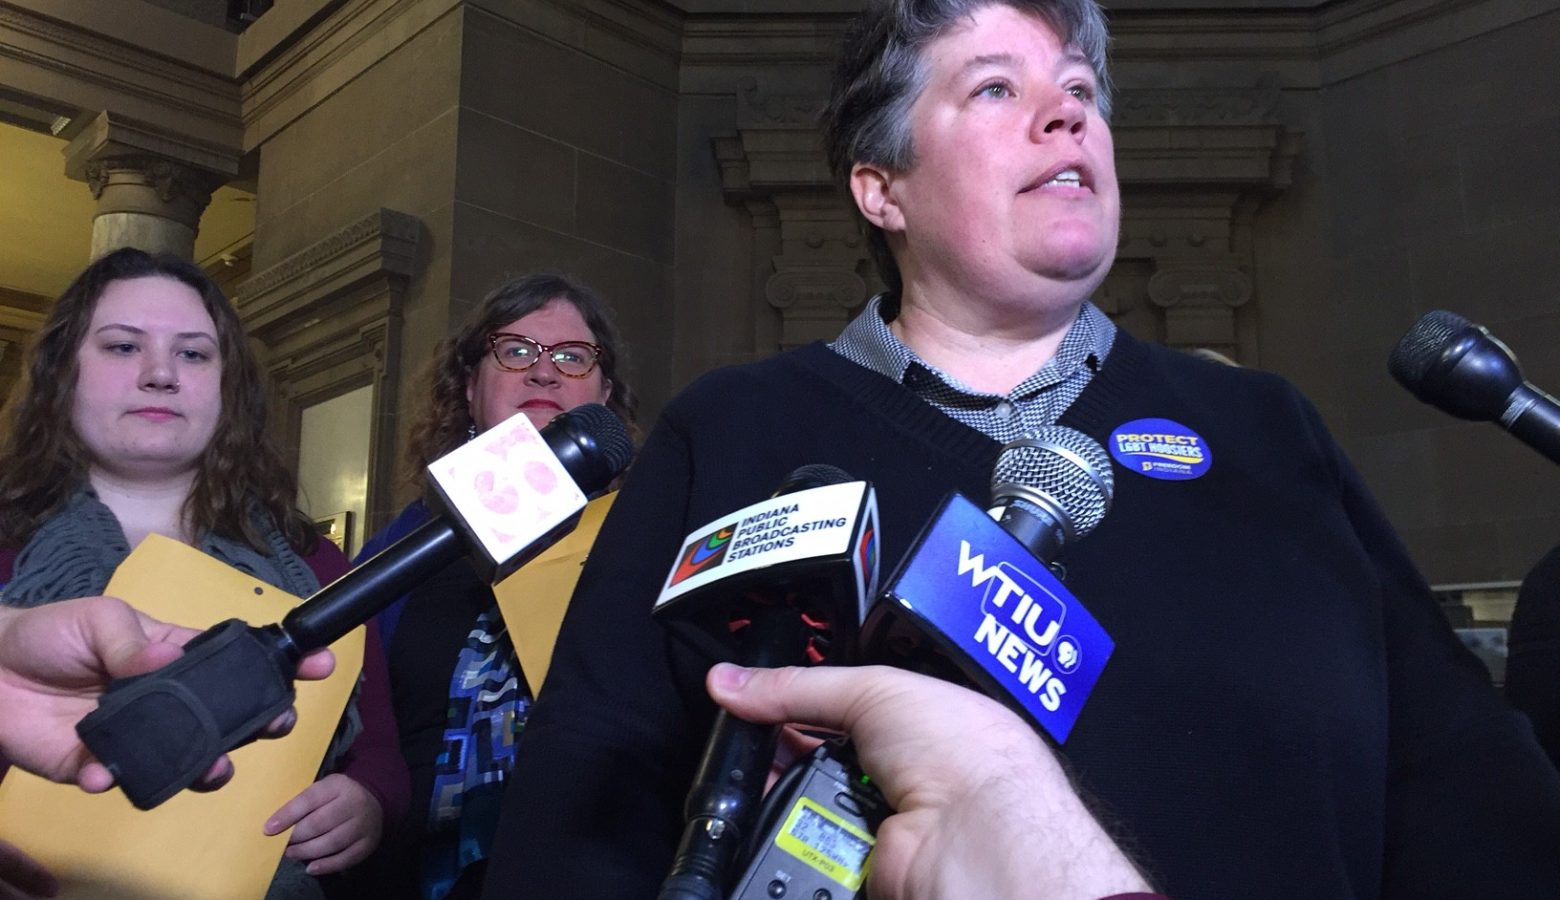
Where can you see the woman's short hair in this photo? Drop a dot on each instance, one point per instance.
(880, 74)
(446, 419)
(43, 461)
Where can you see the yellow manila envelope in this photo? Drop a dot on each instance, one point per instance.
(534, 599)
(193, 845)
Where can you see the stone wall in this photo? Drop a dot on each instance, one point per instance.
(567, 161)
(1440, 172)
(1301, 181)
(356, 125)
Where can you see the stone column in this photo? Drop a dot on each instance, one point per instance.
(145, 202)
(1195, 164)
(774, 164)
(815, 285)
(150, 188)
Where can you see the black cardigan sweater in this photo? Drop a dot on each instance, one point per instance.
(1286, 714)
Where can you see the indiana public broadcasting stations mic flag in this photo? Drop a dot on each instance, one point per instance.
(834, 521)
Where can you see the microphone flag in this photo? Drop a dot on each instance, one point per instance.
(508, 494)
(829, 529)
(1001, 615)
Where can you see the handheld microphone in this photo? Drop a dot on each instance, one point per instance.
(788, 579)
(1462, 369)
(502, 498)
(972, 601)
(975, 598)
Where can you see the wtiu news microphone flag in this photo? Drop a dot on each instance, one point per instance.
(1001, 614)
(769, 540)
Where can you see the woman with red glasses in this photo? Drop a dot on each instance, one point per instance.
(541, 345)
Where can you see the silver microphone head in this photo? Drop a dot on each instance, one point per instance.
(1059, 473)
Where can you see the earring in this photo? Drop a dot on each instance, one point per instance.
(471, 432)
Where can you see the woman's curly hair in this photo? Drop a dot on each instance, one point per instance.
(43, 461)
(445, 420)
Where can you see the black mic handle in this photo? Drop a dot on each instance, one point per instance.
(1533, 417)
(728, 788)
(1040, 534)
(355, 597)
(721, 807)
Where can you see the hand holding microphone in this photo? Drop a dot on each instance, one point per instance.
(788, 578)
(973, 601)
(57, 659)
(502, 498)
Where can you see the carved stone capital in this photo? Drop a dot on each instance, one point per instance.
(815, 288)
(150, 185)
(1200, 302)
(110, 136)
(815, 283)
(1190, 154)
(1192, 285)
(777, 146)
(759, 161)
(814, 301)
(761, 109)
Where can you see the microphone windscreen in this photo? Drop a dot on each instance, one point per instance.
(602, 440)
(1067, 466)
(1424, 343)
(813, 475)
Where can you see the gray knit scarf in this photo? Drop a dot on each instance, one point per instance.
(75, 553)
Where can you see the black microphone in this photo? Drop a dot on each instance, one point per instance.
(589, 442)
(789, 577)
(1462, 369)
(501, 499)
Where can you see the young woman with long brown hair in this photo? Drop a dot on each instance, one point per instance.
(142, 411)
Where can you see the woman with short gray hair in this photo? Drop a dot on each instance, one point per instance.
(1282, 709)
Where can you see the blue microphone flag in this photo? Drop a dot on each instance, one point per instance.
(1001, 615)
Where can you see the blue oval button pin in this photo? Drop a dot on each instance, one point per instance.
(1160, 448)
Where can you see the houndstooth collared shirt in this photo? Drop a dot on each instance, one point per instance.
(1037, 401)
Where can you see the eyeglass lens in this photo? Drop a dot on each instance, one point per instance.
(570, 357)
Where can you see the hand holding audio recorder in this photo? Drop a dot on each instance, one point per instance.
(974, 602)
(982, 806)
(787, 579)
